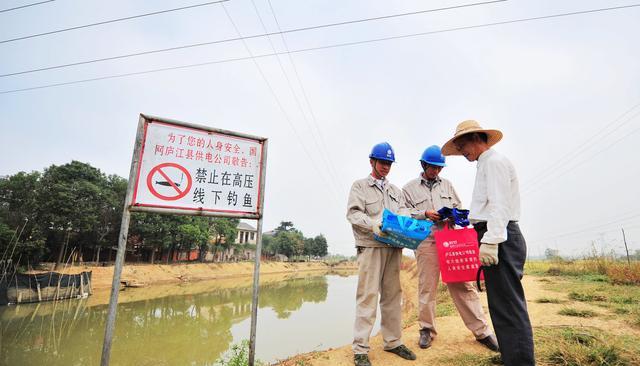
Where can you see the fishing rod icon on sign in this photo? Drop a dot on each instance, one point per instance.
(168, 184)
(162, 182)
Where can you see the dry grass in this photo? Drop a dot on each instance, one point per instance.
(568, 346)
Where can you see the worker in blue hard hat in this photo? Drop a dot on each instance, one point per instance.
(425, 195)
(378, 264)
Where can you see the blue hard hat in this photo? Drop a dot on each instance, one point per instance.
(383, 151)
(433, 156)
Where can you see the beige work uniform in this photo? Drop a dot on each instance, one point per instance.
(378, 264)
(420, 198)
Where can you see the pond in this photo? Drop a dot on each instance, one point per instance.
(296, 315)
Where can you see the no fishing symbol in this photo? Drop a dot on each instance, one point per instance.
(167, 181)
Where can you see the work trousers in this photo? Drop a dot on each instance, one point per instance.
(378, 273)
(464, 295)
(507, 303)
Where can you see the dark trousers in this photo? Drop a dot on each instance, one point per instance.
(507, 304)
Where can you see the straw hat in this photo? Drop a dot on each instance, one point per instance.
(466, 127)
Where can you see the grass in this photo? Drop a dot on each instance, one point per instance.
(567, 346)
(237, 355)
(601, 281)
(577, 312)
(549, 300)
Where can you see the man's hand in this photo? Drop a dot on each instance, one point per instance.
(377, 229)
(432, 215)
(489, 254)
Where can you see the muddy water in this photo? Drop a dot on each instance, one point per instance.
(295, 315)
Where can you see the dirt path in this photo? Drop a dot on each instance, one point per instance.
(453, 337)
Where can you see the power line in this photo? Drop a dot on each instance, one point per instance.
(275, 96)
(193, 45)
(337, 45)
(110, 21)
(304, 92)
(584, 146)
(565, 172)
(588, 229)
(323, 157)
(25, 6)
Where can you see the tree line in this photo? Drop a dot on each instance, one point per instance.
(75, 209)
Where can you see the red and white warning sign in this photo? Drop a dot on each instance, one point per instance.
(186, 168)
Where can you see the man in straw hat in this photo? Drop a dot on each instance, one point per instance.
(494, 212)
(425, 195)
(378, 263)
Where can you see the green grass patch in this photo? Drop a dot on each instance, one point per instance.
(470, 359)
(586, 297)
(577, 312)
(549, 300)
(445, 309)
(569, 346)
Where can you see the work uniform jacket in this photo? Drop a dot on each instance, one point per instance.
(419, 198)
(365, 206)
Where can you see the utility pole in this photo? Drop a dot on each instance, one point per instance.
(624, 238)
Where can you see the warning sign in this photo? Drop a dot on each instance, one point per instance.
(183, 167)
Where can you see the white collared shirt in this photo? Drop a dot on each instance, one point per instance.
(496, 196)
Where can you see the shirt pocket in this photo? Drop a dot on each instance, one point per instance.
(446, 200)
(423, 202)
(394, 201)
(373, 205)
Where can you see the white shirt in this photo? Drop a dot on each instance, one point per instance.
(496, 196)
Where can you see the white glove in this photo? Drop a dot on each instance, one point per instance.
(489, 254)
(376, 228)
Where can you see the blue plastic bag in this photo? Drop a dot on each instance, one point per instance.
(403, 231)
(460, 217)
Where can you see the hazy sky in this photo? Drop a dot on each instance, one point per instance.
(558, 88)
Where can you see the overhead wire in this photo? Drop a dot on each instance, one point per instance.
(323, 156)
(201, 44)
(302, 88)
(587, 229)
(110, 21)
(588, 158)
(310, 49)
(24, 6)
(278, 102)
(575, 153)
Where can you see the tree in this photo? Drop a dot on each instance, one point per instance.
(552, 254)
(289, 243)
(320, 247)
(224, 231)
(20, 234)
(284, 226)
(69, 200)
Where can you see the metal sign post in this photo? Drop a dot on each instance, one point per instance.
(187, 169)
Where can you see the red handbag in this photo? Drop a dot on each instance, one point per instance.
(458, 254)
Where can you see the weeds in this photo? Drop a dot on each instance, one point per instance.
(238, 355)
(584, 347)
(577, 312)
(578, 296)
(549, 300)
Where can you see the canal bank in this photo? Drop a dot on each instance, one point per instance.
(145, 275)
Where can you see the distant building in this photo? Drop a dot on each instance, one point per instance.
(247, 234)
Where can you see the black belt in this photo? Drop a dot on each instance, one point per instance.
(483, 224)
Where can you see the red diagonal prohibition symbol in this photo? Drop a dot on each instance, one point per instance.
(179, 193)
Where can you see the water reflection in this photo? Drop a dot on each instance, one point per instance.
(174, 330)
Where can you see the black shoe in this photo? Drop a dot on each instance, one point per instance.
(425, 338)
(361, 360)
(403, 352)
(490, 342)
